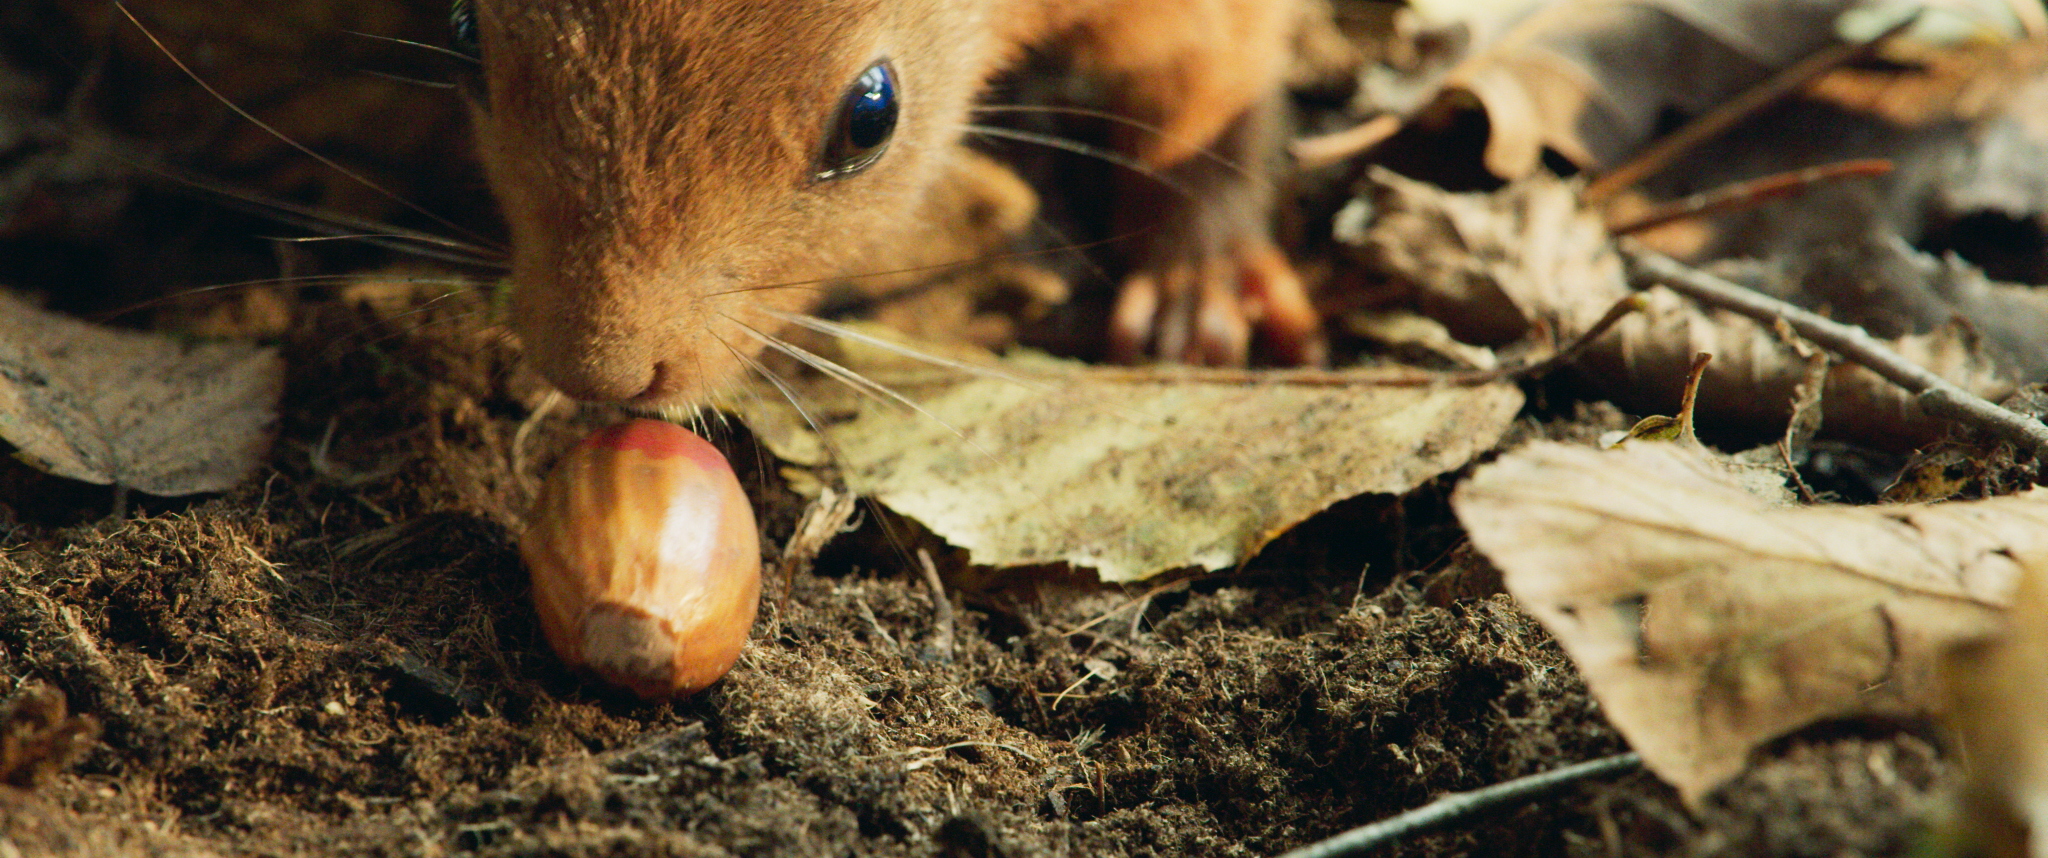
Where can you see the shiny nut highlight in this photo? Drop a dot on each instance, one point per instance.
(646, 565)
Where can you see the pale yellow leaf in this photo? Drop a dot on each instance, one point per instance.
(1132, 473)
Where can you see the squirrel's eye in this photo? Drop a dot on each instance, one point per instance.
(462, 29)
(867, 116)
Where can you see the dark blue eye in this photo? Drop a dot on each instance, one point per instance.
(462, 28)
(867, 116)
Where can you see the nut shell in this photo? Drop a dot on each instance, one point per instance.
(645, 560)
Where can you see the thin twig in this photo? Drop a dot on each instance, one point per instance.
(1748, 194)
(1323, 150)
(942, 608)
(1459, 805)
(827, 516)
(1369, 376)
(1792, 470)
(1937, 395)
(1621, 309)
(1147, 595)
(958, 745)
(1691, 397)
(1733, 112)
(860, 601)
(523, 434)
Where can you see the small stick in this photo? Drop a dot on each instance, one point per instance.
(1459, 805)
(942, 608)
(1748, 103)
(1369, 376)
(1792, 470)
(1748, 194)
(828, 516)
(523, 434)
(1691, 397)
(1323, 150)
(1105, 615)
(1621, 309)
(1936, 394)
(860, 601)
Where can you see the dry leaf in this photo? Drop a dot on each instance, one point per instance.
(1528, 257)
(1127, 472)
(1490, 266)
(1707, 621)
(133, 409)
(1596, 80)
(1960, 60)
(1591, 79)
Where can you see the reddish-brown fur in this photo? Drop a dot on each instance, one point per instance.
(656, 158)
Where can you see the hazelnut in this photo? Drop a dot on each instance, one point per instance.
(646, 565)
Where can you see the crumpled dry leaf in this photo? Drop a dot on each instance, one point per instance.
(1129, 472)
(138, 410)
(1960, 59)
(1591, 79)
(1995, 692)
(1708, 621)
(1494, 266)
(1489, 266)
